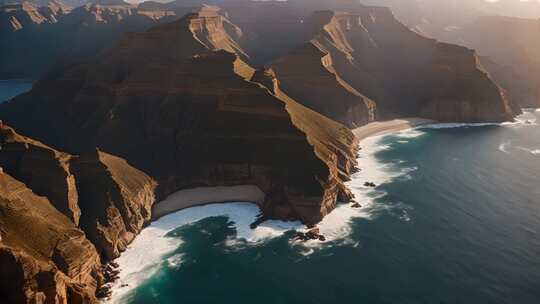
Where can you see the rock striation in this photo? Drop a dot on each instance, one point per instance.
(177, 101)
(436, 80)
(115, 199)
(307, 74)
(45, 258)
(46, 171)
(61, 217)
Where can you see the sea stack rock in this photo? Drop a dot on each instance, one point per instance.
(177, 101)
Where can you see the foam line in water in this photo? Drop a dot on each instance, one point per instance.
(455, 125)
(504, 147)
(532, 151)
(145, 256)
(336, 226)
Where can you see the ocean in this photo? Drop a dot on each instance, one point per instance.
(12, 88)
(455, 219)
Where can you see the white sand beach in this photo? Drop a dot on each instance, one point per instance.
(206, 195)
(389, 126)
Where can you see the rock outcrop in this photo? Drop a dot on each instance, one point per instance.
(374, 57)
(115, 199)
(46, 171)
(407, 74)
(45, 258)
(101, 193)
(177, 102)
(60, 33)
(514, 49)
(18, 16)
(62, 217)
(307, 74)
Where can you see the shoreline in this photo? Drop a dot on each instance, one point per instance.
(378, 128)
(152, 250)
(201, 196)
(145, 255)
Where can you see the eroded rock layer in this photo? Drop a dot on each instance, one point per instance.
(177, 102)
(69, 216)
(405, 73)
(45, 258)
(307, 74)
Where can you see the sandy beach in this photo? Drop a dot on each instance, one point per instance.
(248, 193)
(206, 195)
(389, 126)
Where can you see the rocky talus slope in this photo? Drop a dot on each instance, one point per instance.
(61, 217)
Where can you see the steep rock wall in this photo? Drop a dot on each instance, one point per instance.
(44, 257)
(178, 108)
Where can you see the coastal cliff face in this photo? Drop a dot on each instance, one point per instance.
(437, 80)
(177, 102)
(45, 258)
(115, 199)
(45, 170)
(307, 74)
(365, 55)
(61, 217)
(514, 49)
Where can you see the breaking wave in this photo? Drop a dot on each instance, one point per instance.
(504, 147)
(146, 255)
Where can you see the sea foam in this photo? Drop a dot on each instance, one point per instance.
(504, 147)
(147, 254)
(144, 257)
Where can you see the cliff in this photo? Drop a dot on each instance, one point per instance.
(514, 47)
(60, 33)
(46, 171)
(63, 217)
(45, 258)
(115, 199)
(100, 193)
(307, 74)
(15, 17)
(175, 101)
(436, 80)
